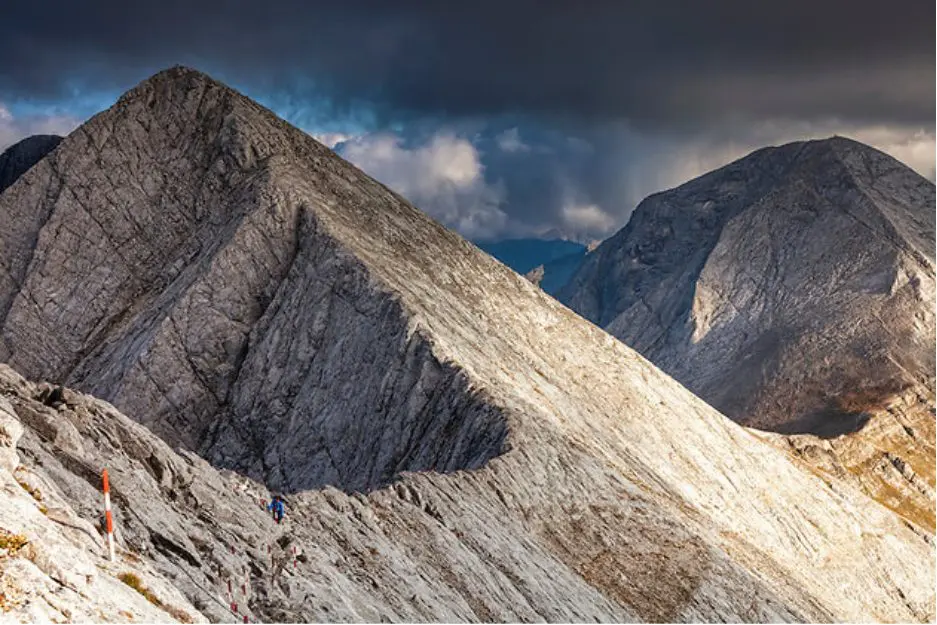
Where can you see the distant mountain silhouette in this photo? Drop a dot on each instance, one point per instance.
(19, 157)
(559, 258)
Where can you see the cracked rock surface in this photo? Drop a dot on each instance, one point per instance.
(782, 288)
(553, 534)
(455, 444)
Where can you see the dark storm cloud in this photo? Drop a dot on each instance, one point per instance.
(508, 118)
(662, 64)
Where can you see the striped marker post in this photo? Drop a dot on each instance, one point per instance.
(107, 515)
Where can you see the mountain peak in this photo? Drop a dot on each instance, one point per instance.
(818, 158)
(797, 157)
(238, 211)
(735, 272)
(179, 76)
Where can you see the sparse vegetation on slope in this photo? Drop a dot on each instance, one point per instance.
(11, 543)
(133, 580)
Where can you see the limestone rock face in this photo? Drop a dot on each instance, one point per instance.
(53, 563)
(233, 285)
(19, 157)
(175, 258)
(791, 289)
(550, 533)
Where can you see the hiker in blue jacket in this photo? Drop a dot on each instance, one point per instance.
(278, 507)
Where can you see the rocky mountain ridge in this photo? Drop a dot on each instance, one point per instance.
(237, 288)
(524, 538)
(891, 458)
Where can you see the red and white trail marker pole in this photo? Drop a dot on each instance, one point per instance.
(107, 515)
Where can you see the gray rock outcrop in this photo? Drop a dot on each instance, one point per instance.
(535, 275)
(19, 157)
(53, 567)
(238, 289)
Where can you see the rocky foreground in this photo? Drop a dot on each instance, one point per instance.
(560, 538)
(454, 444)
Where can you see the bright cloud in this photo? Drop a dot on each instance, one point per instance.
(581, 187)
(331, 139)
(581, 220)
(444, 176)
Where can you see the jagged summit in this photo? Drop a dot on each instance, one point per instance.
(784, 288)
(175, 74)
(239, 289)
